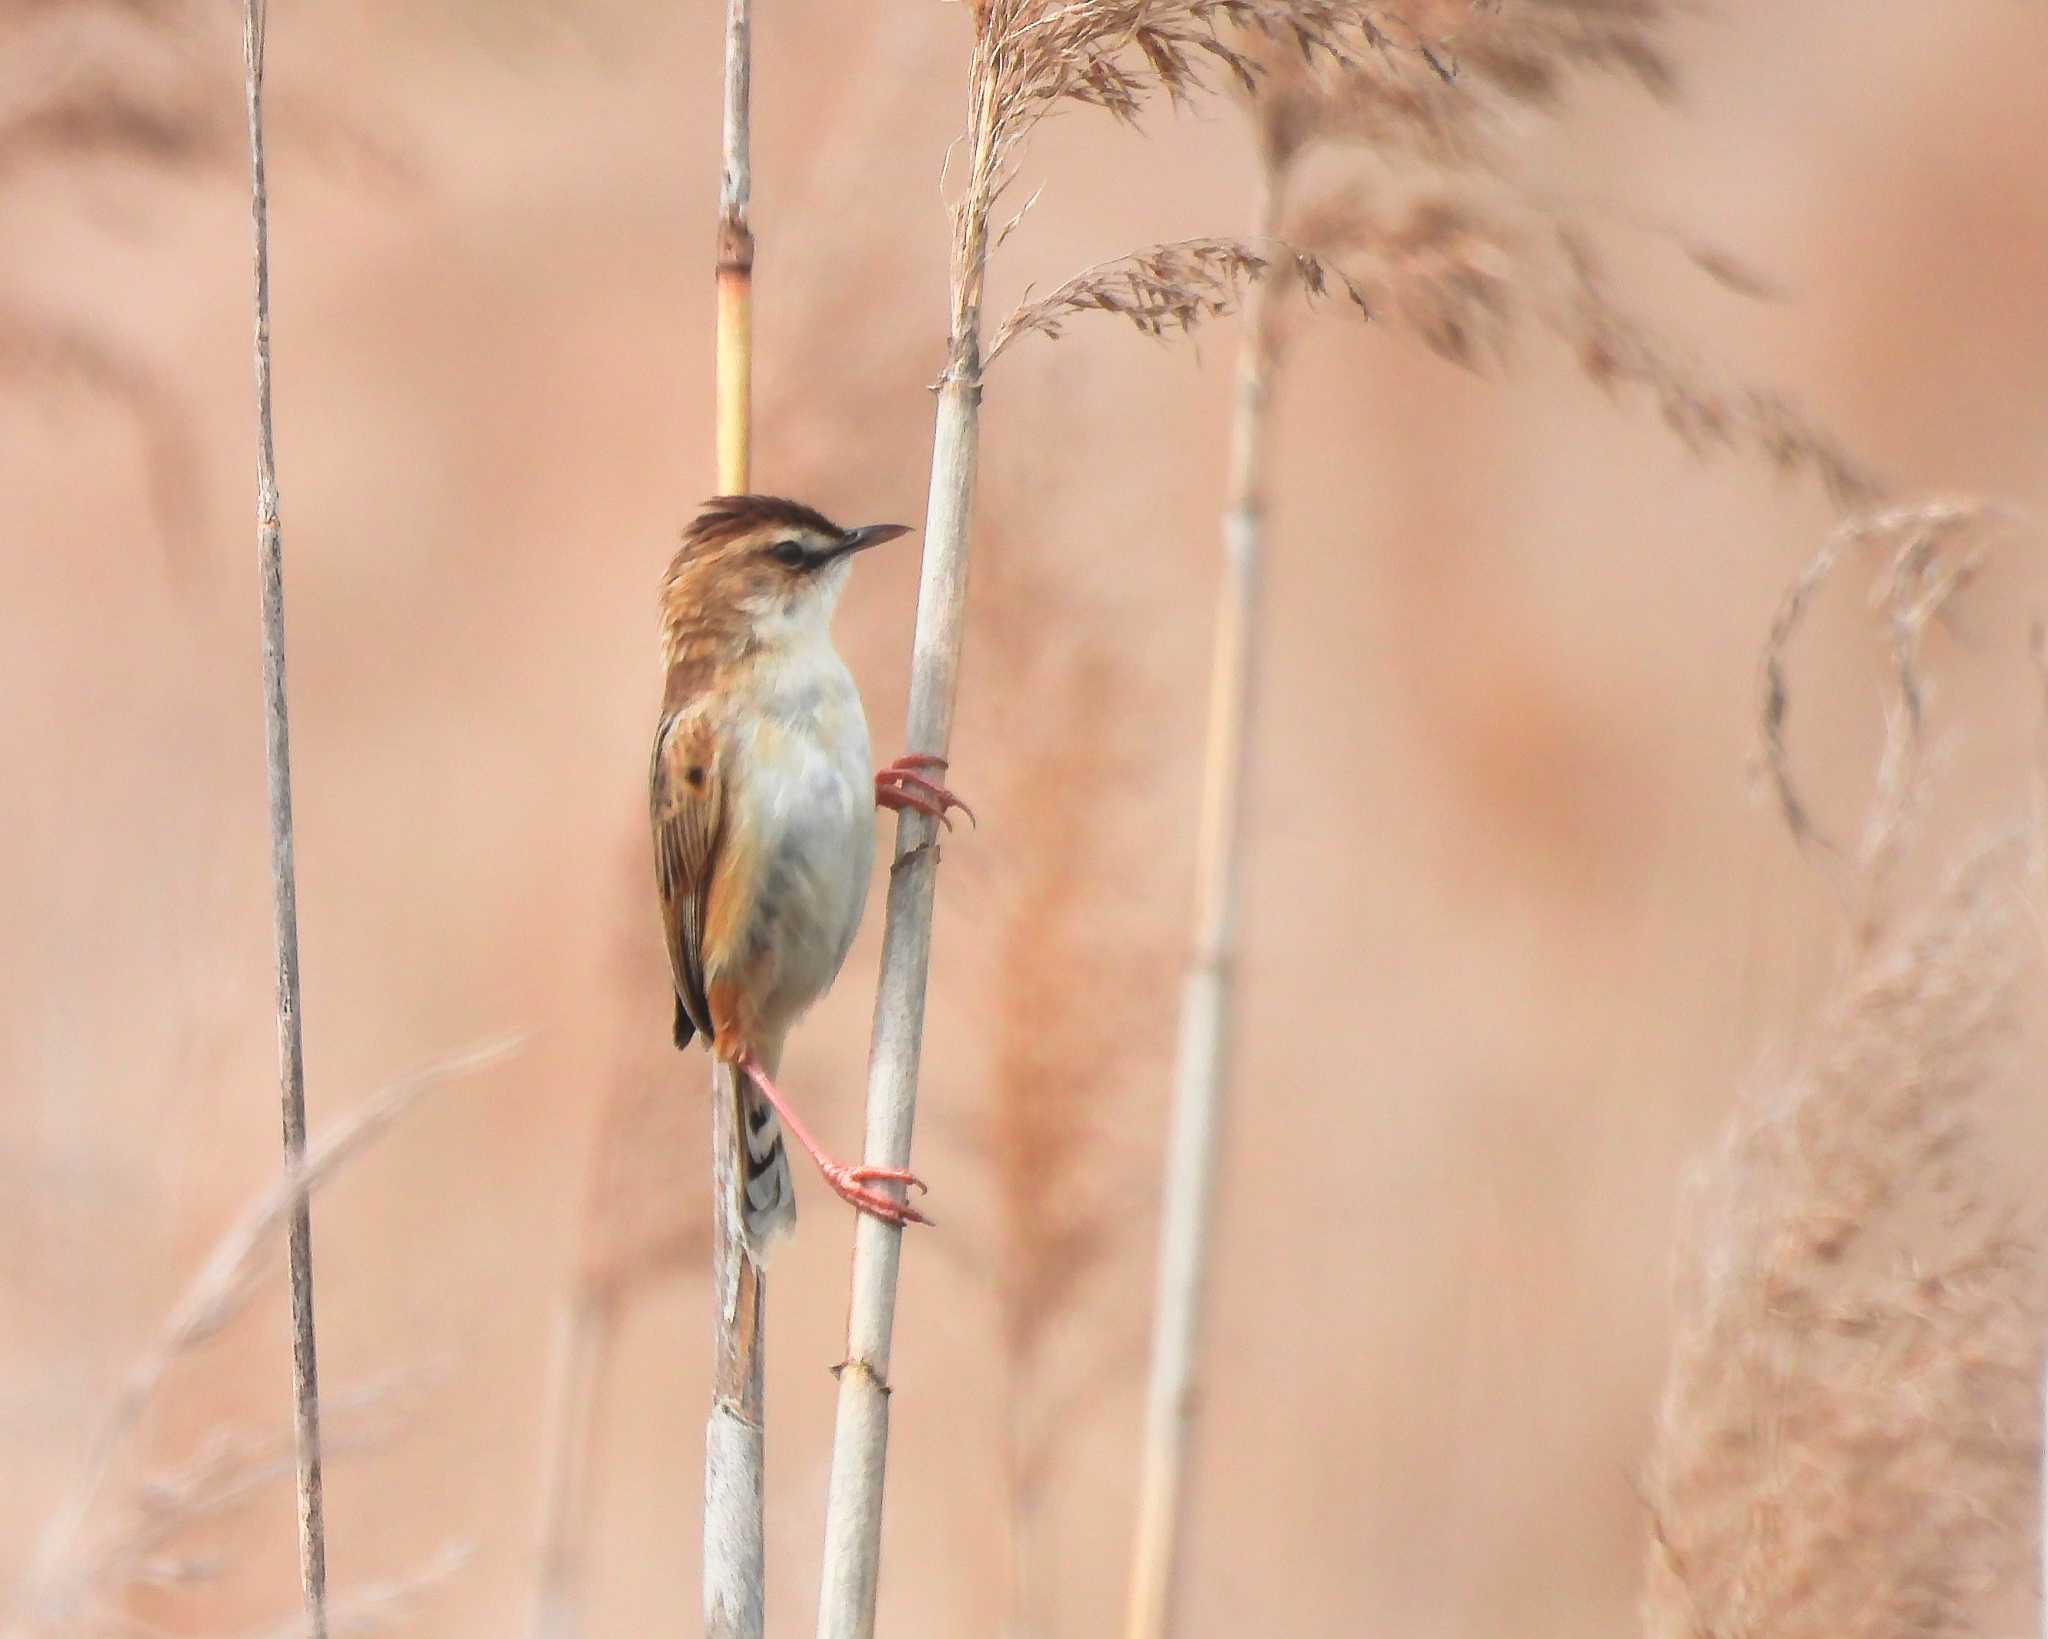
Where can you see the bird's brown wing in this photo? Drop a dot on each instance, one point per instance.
(687, 805)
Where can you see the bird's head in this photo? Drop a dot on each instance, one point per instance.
(767, 564)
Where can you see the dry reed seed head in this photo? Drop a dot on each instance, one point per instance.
(159, 1533)
(1848, 1442)
(1439, 100)
(1170, 289)
(1031, 56)
(1471, 261)
(1928, 553)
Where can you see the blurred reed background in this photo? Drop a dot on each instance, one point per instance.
(1522, 953)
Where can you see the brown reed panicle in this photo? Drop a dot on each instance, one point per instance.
(94, 1553)
(1408, 84)
(1172, 288)
(1849, 1440)
(1850, 1437)
(1441, 232)
(1444, 232)
(1927, 553)
(1032, 57)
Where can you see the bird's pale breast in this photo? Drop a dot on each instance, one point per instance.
(805, 795)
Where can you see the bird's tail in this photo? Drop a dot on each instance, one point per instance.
(767, 1196)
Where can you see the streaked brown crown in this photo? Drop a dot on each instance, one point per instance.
(727, 518)
(704, 626)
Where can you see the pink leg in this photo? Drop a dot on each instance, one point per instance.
(901, 785)
(846, 1181)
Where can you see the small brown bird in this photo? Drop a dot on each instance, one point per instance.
(763, 810)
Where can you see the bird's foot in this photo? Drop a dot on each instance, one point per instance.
(849, 1184)
(906, 784)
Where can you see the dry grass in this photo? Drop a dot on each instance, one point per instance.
(91, 1555)
(1440, 224)
(1927, 553)
(1849, 1441)
(1437, 228)
(1850, 1437)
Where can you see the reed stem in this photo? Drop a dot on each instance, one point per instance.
(284, 875)
(735, 1555)
(1209, 989)
(860, 1438)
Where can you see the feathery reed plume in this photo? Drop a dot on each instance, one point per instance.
(1028, 59)
(1445, 232)
(1468, 254)
(1931, 551)
(70, 1575)
(642, 1222)
(284, 874)
(1848, 1443)
(735, 1565)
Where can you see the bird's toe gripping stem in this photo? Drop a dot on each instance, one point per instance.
(907, 783)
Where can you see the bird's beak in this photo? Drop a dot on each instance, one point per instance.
(859, 540)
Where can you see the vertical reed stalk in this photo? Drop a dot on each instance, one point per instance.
(736, 258)
(735, 1555)
(1208, 993)
(860, 1438)
(284, 875)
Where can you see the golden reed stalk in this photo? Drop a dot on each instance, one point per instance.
(735, 1556)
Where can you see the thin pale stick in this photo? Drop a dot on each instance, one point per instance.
(1208, 995)
(735, 1557)
(284, 877)
(860, 1438)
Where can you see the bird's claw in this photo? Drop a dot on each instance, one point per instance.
(848, 1183)
(901, 785)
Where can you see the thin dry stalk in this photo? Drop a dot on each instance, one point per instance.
(735, 1562)
(1473, 255)
(1201, 1062)
(736, 259)
(860, 1436)
(67, 1572)
(1029, 58)
(284, 876)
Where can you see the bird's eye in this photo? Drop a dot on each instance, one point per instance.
(788, 553)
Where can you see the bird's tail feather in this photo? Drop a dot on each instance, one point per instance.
(767, 1195)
